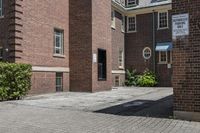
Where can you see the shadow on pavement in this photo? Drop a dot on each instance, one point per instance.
(162, 108)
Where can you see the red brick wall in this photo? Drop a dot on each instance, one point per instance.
(44, 82)
(80, 45)
(136, 42)
(118, 44)
(186, 60)
(101, 38)
(34, 39)
(89, 30)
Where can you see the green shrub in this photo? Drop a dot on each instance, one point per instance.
(15, 80)
(147, 79)
(131, 78)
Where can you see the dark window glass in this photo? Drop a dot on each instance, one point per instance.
(102, 72)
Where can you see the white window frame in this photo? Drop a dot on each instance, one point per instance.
(143, 53)
(131, 3)
(61, 41)
(161, 28)
(163, 62)
(1, 50)
(128, 25)
(123, 24)
(1, 8)
(113, 19)
(121, 59)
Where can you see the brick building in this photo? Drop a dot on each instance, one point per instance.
(141, 35)
(186, 60)
(90, 48)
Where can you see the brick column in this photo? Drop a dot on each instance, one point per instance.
(15, 25)
(90, 30)
(186, 63)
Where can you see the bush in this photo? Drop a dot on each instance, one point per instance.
(148, 79)
(15, 80)
(131, 78)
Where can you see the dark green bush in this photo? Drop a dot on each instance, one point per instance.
(15, 80)
(131, 78)
(147, 79)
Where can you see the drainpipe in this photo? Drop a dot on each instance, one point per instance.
(154, 42)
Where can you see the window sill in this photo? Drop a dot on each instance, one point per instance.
(162, 63)
(1, 17)
(166, 28)
(102, 79)
(121, 68)
(131, 31)
(113, 27)
(59, 56)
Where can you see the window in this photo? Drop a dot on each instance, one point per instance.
(113, 19)
(1, 8)
(131, 3)
(131, 24)
(102, 70)
(162, 20)
(59, 82)
(1, 53)
(117, 81)
(163, 58)
(147, 53)
(58, 42)
(123, 23)
(121, 59)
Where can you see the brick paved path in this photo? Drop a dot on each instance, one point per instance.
(27, 119)
(74, 113)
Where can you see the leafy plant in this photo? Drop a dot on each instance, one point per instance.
(147, 79)
(15, 80)
(131, 78)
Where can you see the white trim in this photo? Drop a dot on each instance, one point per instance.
(163, 62)
(50, 69)
(123, 23)
(128, 31)
(113, 22)
(163, 28)
(121, 53)
(118, 72)
(143, 53)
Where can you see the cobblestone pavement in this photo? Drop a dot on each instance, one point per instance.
(21, 117)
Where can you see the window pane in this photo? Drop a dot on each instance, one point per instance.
(59, 81)
(58, 46)
(1, 8)
(131, 24)
(163, 20)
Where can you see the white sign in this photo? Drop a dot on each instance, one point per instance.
(180, 25)
(94, 58)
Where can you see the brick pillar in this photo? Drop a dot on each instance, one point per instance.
(15, 37)
(186, 63)
(89, 30)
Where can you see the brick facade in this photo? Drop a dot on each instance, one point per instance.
(89, 31)
(186, 62)
(118, 43)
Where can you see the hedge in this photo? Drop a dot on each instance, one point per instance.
(15, 80)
